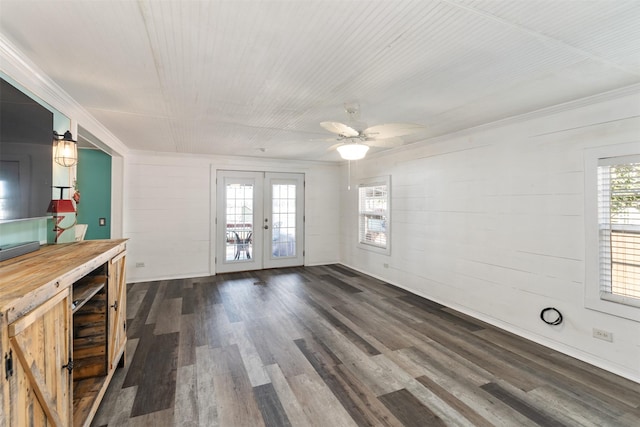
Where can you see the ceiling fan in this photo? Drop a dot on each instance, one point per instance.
(355, 138)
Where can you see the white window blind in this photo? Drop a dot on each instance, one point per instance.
(619, 229)
(373, 214)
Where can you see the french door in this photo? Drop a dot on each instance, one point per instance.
(259, 220)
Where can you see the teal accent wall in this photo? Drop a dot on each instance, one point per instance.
(94, 184)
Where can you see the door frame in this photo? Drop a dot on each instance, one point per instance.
(217, 250)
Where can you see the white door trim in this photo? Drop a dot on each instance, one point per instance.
(269, 247)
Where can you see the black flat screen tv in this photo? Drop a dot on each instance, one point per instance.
(26, 155)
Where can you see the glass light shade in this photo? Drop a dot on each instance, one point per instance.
(353, 151)
(65, 150)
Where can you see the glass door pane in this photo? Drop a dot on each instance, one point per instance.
(283, 241)
(239, 240)
(284, 208)
(239, 221)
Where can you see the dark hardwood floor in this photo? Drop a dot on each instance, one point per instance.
(327, 346)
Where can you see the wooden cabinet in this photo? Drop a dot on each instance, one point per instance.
(62, 331)
(117, 304)
(38, 351)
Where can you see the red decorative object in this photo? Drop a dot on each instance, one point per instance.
(61, 209)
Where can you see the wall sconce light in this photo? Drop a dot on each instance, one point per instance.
(353, 151)
(65, 149)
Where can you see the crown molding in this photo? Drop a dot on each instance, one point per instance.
(631, 90)
(25, 72)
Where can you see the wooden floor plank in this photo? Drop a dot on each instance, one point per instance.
(135, 296)
(498, 362)
(439, 311)
(323, 293)
(438, 406)
(188, 300)
(154, 310)
(186, 400)
(623, 394)
(205, 390)
(169, 321)
(289, 402)
(163, 418)
(236, 402)
(521, 406)
(374, 407)
(250, 357)
(157, 392)
(391, 337)
(187, 343)
(175, 290)
(340, 284)
(110, 408)
(379, 287)
(326, 372)
(136, 369)
(377, 375)
(340, 326)
(344, 270)
(321, 407)
(576, 410)
(391, 331)
(328, 346)
(230, 306)
(234, 395)
(273, 414)
(465, 380)
(136, 324)
(120, 412)
(459, 378)
(409, 410)
(456, 404)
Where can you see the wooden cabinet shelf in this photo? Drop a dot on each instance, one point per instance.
(90, 337)
(86, 393)
(86, 288)
(62, 331)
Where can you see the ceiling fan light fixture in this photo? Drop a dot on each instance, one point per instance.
(353, 151)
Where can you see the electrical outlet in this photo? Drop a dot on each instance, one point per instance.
(385, 265)
(102, 222)
(139, 264)
(603, 335)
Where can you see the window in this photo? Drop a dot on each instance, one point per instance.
(373, 214)
(619, 229)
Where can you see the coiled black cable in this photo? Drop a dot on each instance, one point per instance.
(554, 322)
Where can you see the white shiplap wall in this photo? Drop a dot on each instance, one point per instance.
(170, 205)
(491, 222)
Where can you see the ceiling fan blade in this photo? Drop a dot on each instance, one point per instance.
(340, 128)
(334, 146)
(385, 143)
(334, 139)
(391, 130)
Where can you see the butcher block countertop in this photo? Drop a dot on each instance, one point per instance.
(29, 280)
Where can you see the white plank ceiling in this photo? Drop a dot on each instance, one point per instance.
(255, 78)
